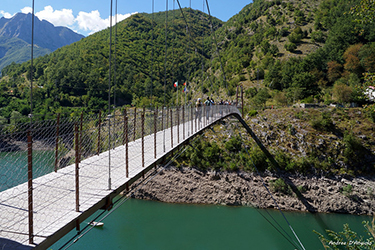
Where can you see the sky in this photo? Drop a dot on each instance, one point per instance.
(89, 16)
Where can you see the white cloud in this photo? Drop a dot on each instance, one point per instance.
(92, 22)
(84, 22)
(6, 14)
(62, 17)
(27, 10)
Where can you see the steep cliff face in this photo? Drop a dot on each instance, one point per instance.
(315, 194)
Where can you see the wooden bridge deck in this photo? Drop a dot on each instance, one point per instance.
(54, 195)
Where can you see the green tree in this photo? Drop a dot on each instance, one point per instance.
(273, 76)
(364, 12)
(341, 92)
(334, 71)
(261, 97)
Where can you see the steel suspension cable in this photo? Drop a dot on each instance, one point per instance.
(114, 59)
(217, 47)
(166, 48)
(32, 63)
(277, 205)
(109, 97)
(189, 33)
(152, 50)
(191, 39)
(202, 46)
(165, 64)
(173, 58)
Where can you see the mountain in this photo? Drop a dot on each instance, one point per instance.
(15, 50)
(15, 38)
(77, 75)
(288, 50)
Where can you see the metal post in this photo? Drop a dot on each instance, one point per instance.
(196, 117)
(30, 185)
(162, 126)
(191, 118)
(100, 126)
(204, 115)
(125, 124)
(109, 117)
(171, 128)
(242, 100)
(237, 96)
(155, 117)
(57, 141)
(77, 166)
(143, 138)
(178, 125)
(126, 144)
(80, 138)
(183, 122)
(135, 123)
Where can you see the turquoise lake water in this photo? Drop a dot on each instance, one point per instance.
(140, 224)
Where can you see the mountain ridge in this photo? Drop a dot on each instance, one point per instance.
(287, 50)
(47, 38)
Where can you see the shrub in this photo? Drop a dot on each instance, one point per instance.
(342, 93)
(234, 144)
(253, 112)
(251, 92)
(284, 31)
(291, 47)
(323, 123)
(295, 37)
(347, 190)
(370, 111)
(302, 189)
(258, 158)
(354, 150)
(317, 37)
(281, 99)
(280, 186)
(285, 161)
(309, 99)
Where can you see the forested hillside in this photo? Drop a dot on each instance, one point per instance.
(299, 50)
(77, 75)
(281, 51)
(15, 50)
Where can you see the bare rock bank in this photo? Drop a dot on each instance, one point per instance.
(315, 194)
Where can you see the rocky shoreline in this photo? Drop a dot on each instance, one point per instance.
(315, 194)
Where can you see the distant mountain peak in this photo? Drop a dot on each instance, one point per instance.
(47, 38)
(46, 34)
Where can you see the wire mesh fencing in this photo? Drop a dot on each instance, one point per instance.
(51, 169)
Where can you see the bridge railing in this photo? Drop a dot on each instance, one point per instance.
(29, 151)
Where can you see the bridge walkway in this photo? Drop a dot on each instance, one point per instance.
(60, 205)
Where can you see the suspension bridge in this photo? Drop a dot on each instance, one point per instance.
(55, 173)
(76, 166)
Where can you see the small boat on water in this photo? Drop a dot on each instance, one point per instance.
(96, 224)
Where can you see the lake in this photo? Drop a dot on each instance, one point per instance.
(139, 224)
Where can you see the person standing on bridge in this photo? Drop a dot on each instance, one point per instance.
(208, 104)
(198, 107)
